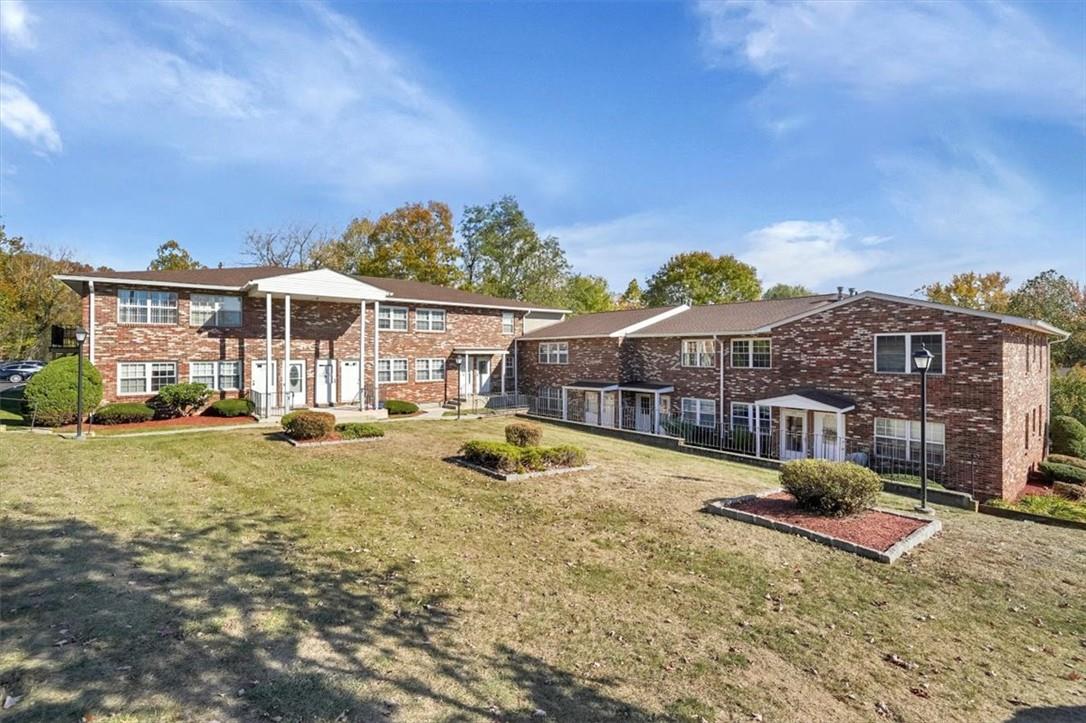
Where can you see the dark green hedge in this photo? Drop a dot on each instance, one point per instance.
(1067, 459)
(398, 406)
(231, 408)
(509, 458)
(359, 430)
(1068, 436)
(1056, 472)
(50, 395)
(123, 413)
(830, 488)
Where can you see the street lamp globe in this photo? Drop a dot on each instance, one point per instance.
(922, 359)
(80, 335)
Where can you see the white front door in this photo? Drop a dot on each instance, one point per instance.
(592, 407)
(348, 379)
(482, 366)
(258, 381)
(609, 409)
(295, 384)
(644, 413)
(325, 391)
(793, 434)
(467, 374)
(826, 444)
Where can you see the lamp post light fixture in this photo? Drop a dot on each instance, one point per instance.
(80, 337)
(922, 359)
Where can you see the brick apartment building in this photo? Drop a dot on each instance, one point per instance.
(821, 376)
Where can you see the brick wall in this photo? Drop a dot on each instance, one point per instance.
(594, 359)
(1025, 406)
(319, 330)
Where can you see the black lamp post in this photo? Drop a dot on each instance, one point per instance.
(922, 359)
(80, 337)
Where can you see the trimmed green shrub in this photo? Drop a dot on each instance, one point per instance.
(308, 425)
(830, 488)
(359, 430)
(51, 393)
(1068, 436)
(1056, 472)
(398, 406)
(565, 455)
(1067, 459)
(523, 434)
(1069, 491)
(180, 400)
(509, 458)
(123, 413)
(231, 408)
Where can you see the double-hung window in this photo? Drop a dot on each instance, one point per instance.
(554, 352)
(392, 370)
(899, 439)
(701, 412)
(894, 352)
(508, 323)
(429, 370)
(752, 353)
(209, 310)
(145, 377)
(742, 417)
(697, 353)
(392, 318)
(216, 374)
(136, 306)
(429, 320)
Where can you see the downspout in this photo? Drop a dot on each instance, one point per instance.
(90, 318)
(720, 392)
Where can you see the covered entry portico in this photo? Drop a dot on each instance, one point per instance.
(630, 405)
(812, 424)
(477, 370)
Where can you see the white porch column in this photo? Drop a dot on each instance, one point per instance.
(565, 403)
(286, 352)
(361, 355)
(619, 393)
(267, 354)
(757, 432)
(377, 354)
(503, 375)
(840, 436)
(516, 383)
(656, 412)
(90, 318)
(599, 417)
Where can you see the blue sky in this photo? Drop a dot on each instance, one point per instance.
(876, 145)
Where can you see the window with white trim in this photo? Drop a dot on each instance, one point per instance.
(752, 353)
(697, 353)
(145, 377)
(554, 352)
(899, 439)
(508, 323)
(894, 352)
(392, 318)
(214, 310)
(429, 370)
(138, 306)
(390, 371)
(429, 320)
(742, 417)
(221, 375)
(701, 412)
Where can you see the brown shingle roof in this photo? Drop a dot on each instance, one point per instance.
(432, 293)
(603, 323)
(739, 317)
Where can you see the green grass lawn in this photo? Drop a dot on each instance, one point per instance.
(229, 576)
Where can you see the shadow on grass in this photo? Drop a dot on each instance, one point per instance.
(231, 620)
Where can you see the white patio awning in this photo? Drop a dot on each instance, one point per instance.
(317, 285)
(815, 400)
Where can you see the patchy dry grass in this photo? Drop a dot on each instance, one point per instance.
(229, 576)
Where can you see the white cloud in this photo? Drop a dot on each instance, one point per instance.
(25, 119)
(15, 22)
(809, 253)
(903, 52)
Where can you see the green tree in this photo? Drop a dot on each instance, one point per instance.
(412, 242)
(586, 294)
(1069, 393)
(987, 292)
(171, 257)
(343, 253)
(1052, 297)
(786, 291)
(698, 277)
(502, 254)
(631, 298)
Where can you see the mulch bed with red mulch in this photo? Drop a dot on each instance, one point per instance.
(164, 424)
(871, 528)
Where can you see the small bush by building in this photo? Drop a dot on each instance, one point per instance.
(396, 407)
(524, 434)
(231, 408)
(511, 459)
(1056, 472)
(359, 430)
(308, 425)
(830, 488)
(180, 400)
(50, 395)
(1070, 491)
(1068, 436)
(1067, 459)
(123, 413)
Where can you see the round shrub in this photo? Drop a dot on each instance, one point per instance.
(309, 425)
(830, 488)
(51, 393)
(180, 400)
(231, 408)
(1068, 436)
(523, 434)
(1056, 472)
(123, 413)
(359, 430)
(398, 406)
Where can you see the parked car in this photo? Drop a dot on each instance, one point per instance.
(18, 372)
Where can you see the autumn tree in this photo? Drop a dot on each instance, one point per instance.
(698, 277)
(502, 254)
(343, 253)
(987, 292)
(787, 291)
(584, 294)
(1052, 297)
(288, 246)
(631, 298)
(412, 242)
(170, 256)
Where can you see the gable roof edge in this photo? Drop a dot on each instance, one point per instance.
(667, 314)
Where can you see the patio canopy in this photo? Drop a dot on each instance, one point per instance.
(650, 387)
(459, 350)
(816, 400)
(593, 386)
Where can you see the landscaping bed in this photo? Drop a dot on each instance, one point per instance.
(313, 429)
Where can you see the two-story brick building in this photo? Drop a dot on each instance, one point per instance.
(821, 376)
(294, 339)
